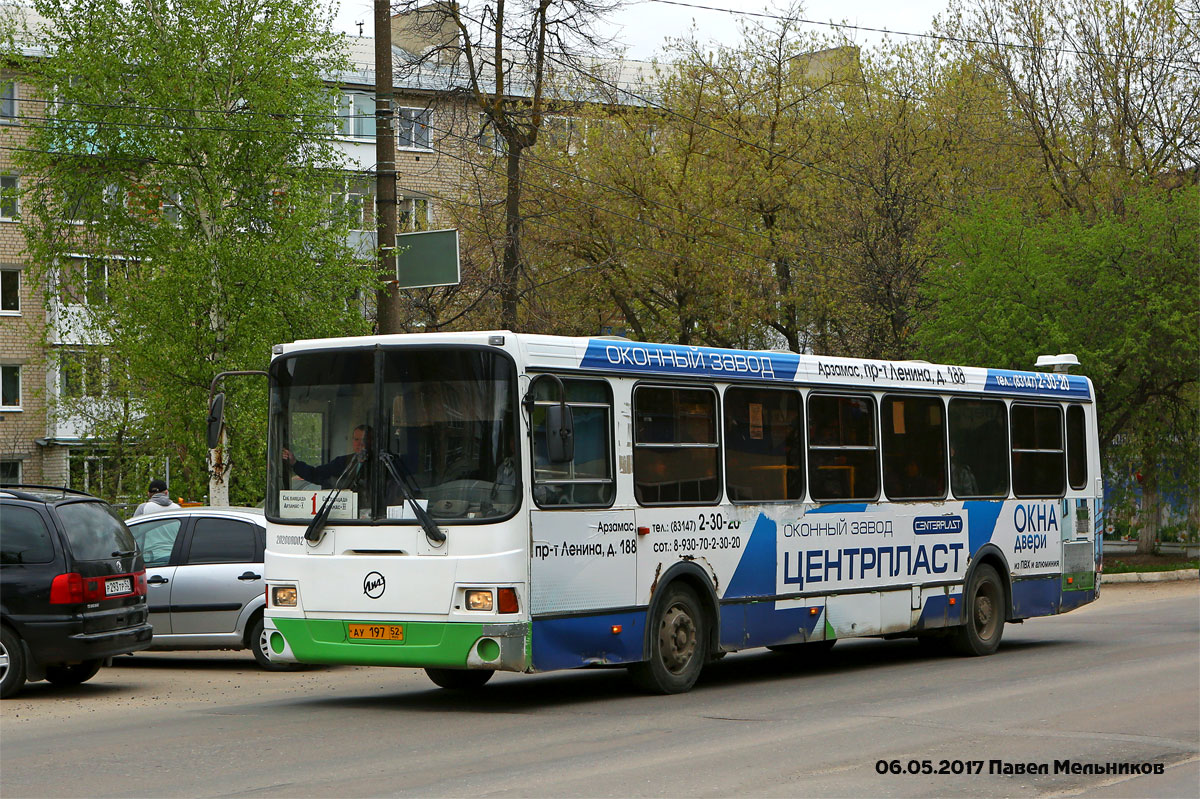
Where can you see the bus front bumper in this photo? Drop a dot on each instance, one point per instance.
(447, 645)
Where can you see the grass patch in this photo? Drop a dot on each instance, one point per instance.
(1145, 564)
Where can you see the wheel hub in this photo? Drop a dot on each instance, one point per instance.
(677, 639)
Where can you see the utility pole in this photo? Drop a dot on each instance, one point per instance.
(387, 297)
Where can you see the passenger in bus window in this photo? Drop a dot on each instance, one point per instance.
(963, 479)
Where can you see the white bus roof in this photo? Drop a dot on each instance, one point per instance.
(635, 358)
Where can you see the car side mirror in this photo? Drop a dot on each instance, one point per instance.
(560, 433)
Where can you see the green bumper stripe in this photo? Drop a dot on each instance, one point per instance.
(1080, 581)
(436, 644)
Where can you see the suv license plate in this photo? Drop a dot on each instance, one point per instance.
(377, 632)
(121, 585)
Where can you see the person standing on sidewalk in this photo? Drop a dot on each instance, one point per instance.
(158, 502)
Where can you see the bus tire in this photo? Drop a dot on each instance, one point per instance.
(460, 679)
(678, 645)
(984, 626)
(12, 663)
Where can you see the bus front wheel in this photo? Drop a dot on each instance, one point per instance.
(678, 644)
(460, 679)
(985, 614)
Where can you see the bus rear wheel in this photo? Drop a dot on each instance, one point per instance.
(460, 679)
(678, 644)
(985, 614)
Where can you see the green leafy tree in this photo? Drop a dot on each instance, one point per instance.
(178, 198)
(1120, 292)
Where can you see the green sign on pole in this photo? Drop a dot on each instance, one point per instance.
(427, 258)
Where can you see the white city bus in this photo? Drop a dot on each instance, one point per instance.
(528, 503)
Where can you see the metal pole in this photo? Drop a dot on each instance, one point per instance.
(387, 297)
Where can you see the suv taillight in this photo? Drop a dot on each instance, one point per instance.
(73, 589)
(67, 589)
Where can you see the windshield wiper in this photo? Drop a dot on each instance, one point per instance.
(392, 463)
(316, 528)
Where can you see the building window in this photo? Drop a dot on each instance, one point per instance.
(10, 292)
(82, 373)
(9, 207)
(10, 472)
(356, 115)
(355, 196)
(413, 213)
(85, 280)
(413, 126)
(489, 139)
(10, 388)
(8, 101)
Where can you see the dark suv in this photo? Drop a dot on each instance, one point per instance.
(72, 587)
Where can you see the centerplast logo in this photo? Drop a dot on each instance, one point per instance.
(374, 585)
(936, 525)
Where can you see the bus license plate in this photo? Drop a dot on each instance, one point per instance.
(121, 585)
(377, 632)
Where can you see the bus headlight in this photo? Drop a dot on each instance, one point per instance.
(283, 596)
(479, 600)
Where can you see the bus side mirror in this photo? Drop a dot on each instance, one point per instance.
(216, 415)
(560, 434)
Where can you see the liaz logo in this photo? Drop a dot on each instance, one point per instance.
(374, 585)
(937, 525)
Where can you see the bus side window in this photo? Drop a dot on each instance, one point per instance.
(843, 460)
(587, 480)
(1038, 460)
(978, 448)
(764, 445)
(914, 447)
(1077, 470)
(675, 450)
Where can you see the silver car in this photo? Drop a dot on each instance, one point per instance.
(204, 574)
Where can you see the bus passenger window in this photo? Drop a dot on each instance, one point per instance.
(1076, 448)
(914, 448)
(675, 450)
(587, 480)
(978, 448)
(1038, 465)
(764, 445)
(843, 460)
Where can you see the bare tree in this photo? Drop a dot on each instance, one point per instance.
(512, 61)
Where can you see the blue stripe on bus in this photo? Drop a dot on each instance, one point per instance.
(646, 358)
(939, 613)
(574, 641)
(760, 624)
(843, 507)
(1036, 597)
(1040, 384)
(981, 521)
(1074, 599)
(756, 573)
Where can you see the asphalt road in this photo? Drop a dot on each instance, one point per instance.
(1115, 682)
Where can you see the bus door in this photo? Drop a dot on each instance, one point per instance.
(582, 550)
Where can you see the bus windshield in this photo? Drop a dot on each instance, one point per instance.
(444, 420)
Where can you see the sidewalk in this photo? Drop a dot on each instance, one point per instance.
(1151, 577)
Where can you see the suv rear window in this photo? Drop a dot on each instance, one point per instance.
(24, 537)
(94, 532)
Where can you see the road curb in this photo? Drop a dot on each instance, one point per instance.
(1152, 577)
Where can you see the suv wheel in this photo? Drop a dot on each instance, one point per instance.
(75, 674)
(12, 663)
